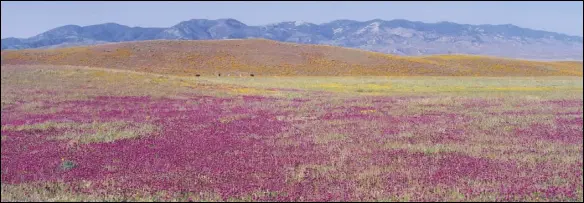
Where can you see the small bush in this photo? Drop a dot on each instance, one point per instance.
(68, 165)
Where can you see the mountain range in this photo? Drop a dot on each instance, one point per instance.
(400, 37)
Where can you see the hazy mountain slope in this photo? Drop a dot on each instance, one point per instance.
(400, 37)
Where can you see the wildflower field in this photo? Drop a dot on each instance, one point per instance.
(72, 133)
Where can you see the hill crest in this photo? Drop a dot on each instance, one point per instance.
(267, 57)
(400, 37)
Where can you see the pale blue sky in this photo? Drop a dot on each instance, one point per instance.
(26, 19)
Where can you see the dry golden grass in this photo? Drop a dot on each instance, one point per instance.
(265, 57)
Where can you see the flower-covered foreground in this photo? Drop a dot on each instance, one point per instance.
(80, 134)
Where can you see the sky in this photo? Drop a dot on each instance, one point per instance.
(26, 19)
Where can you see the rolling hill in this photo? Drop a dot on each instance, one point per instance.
(400, 37)
(267, 57)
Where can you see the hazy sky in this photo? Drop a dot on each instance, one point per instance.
(26, 19)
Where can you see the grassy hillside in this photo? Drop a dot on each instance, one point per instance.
(265, 57)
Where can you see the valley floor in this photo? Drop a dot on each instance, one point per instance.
(89, 134)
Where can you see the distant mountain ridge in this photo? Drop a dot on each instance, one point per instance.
(401, 37)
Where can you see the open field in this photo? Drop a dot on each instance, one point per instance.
(102, 133)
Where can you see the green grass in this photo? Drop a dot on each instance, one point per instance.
(381, 84)
(90, 132)
(108, 132)
(66, 82)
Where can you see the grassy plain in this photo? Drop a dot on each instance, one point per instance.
(73, 133)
